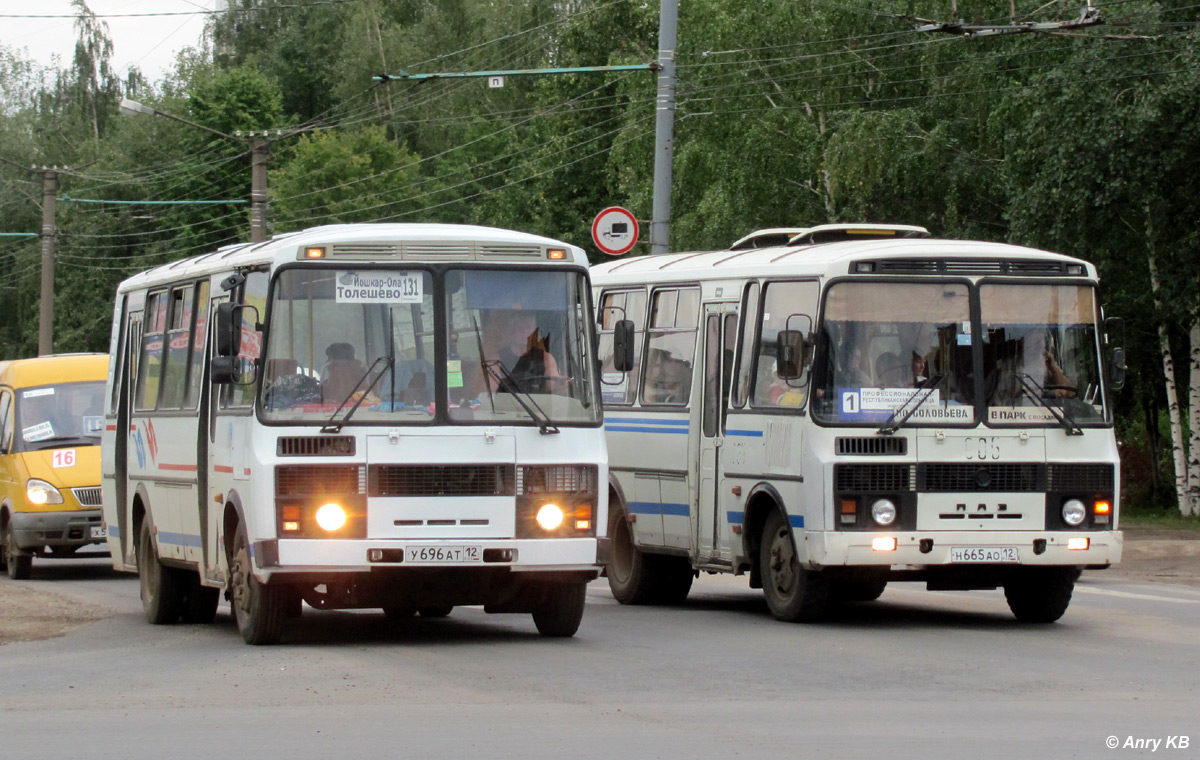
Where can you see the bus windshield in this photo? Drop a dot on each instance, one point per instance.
(887, 347)
(515, 346)
(1040, 353)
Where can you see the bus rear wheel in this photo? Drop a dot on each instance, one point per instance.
(561, 609)
(162, 587)
(1040, 594)
(793, 594)
(259, 609)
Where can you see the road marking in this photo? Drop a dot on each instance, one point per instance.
(1131, 595)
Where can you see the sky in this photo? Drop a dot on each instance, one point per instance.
(149, 42)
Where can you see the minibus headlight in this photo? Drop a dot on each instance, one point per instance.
(331, 517)
(883, 512)
(40, 492)
(1074, 512)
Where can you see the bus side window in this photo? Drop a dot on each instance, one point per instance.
(6, 420)
(745, 357)
(780, 301)
(150, 365)
(254, 293)
(672, 346)
(621, 388)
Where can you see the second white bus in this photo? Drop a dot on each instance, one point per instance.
(828, 418)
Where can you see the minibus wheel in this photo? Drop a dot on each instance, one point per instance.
(259, 610)
(161, 586)
(561, 609)
(793, 594)
(19, 565)
(1040, 594)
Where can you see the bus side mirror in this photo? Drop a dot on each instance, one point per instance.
(623, 345)
(1116, 369)
(789, 354)
(236, 370)
(229, 331)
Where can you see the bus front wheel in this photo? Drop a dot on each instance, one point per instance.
(561, 609)
(793, 593)
(1040, 594)
(259, 609)
(19, 565)
(162, 587)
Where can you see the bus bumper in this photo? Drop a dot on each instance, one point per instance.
(918, 550)
(363, 555)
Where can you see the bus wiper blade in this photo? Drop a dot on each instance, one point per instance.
(505, 382)
(330, 426)
(928, 386)
(1034, 391)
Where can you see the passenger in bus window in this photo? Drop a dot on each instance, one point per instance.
(341, 372)
(512, 336)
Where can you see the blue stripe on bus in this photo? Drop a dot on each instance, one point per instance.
(647, 421)
(748, 433)
(737, 518)
(179, 539)
(656, 508)
(633, 429)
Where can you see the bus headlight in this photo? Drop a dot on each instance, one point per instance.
(1074, 512)
(883, 512)
(549, 516)
(40, 492)
(331, 517)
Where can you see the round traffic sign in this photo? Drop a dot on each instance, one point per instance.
(614, 231)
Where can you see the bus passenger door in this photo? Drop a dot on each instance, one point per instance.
(720, 342)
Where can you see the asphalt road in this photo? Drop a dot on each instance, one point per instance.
(916, 674)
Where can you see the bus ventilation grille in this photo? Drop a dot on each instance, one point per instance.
(1081, 478)
(317, 479)
(873, 478)
(442, 480)
(872, 446)
(972, 266)
(937, 477)
(316, 446)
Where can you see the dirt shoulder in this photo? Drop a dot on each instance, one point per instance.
(30, 612)
(1159, 556)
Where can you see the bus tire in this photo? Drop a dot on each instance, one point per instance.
(162, 587)
(19, 565)
(1040, 594)
(856, 591)
(793, 594)
(559, 613)
(260, 610)
(670, 578)
(629, 570)
(200, 606)
(436, 611)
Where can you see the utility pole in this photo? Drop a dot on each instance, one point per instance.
(258, 189)
(664, 126)
(49, 234)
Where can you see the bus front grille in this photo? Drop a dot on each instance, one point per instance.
(313, 479)
(938, 477)
(442, 480)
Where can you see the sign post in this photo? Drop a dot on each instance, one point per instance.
(614, 231)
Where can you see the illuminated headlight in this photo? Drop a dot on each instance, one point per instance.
(1074, 512)
(331, 517)
(40, 492)
(549, 516)
(883, 512)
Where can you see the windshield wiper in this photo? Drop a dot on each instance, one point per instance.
(58, 441)
(928, 386)
(1034, 391)
(330, 427)
(505, 382)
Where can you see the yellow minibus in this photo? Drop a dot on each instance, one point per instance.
(51, 419)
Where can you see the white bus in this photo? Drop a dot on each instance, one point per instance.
(829, 417)
(395, 416)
